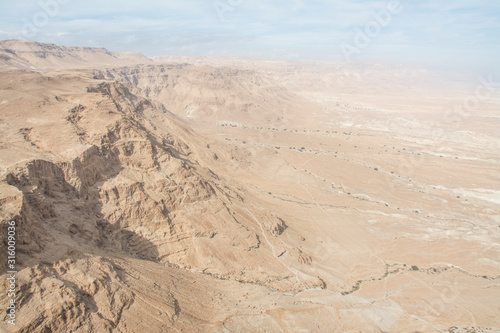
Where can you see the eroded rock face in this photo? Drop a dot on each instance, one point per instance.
(277, 226)
(207, 93)
(129, 192)
(132, 219)
(79, 294)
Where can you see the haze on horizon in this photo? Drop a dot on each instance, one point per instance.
(461, 34)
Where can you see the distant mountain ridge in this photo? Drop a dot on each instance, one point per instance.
(29, 54)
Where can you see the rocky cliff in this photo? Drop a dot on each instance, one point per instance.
(128, 186)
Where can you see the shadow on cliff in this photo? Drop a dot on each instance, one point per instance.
(66, 221)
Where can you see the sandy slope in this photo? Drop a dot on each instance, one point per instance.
(140, 207)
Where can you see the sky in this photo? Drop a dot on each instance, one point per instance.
(461, 33)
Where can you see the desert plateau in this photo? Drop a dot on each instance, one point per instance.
(229, 194)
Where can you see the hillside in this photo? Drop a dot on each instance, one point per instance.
(32, 55)
(214, 95)
(244, 197)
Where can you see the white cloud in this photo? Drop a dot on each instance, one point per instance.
(298, 28)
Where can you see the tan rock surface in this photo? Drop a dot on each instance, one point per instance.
(171, 197)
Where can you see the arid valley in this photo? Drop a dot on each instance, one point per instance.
(196, 194)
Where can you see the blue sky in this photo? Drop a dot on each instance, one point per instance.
(463, 33)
